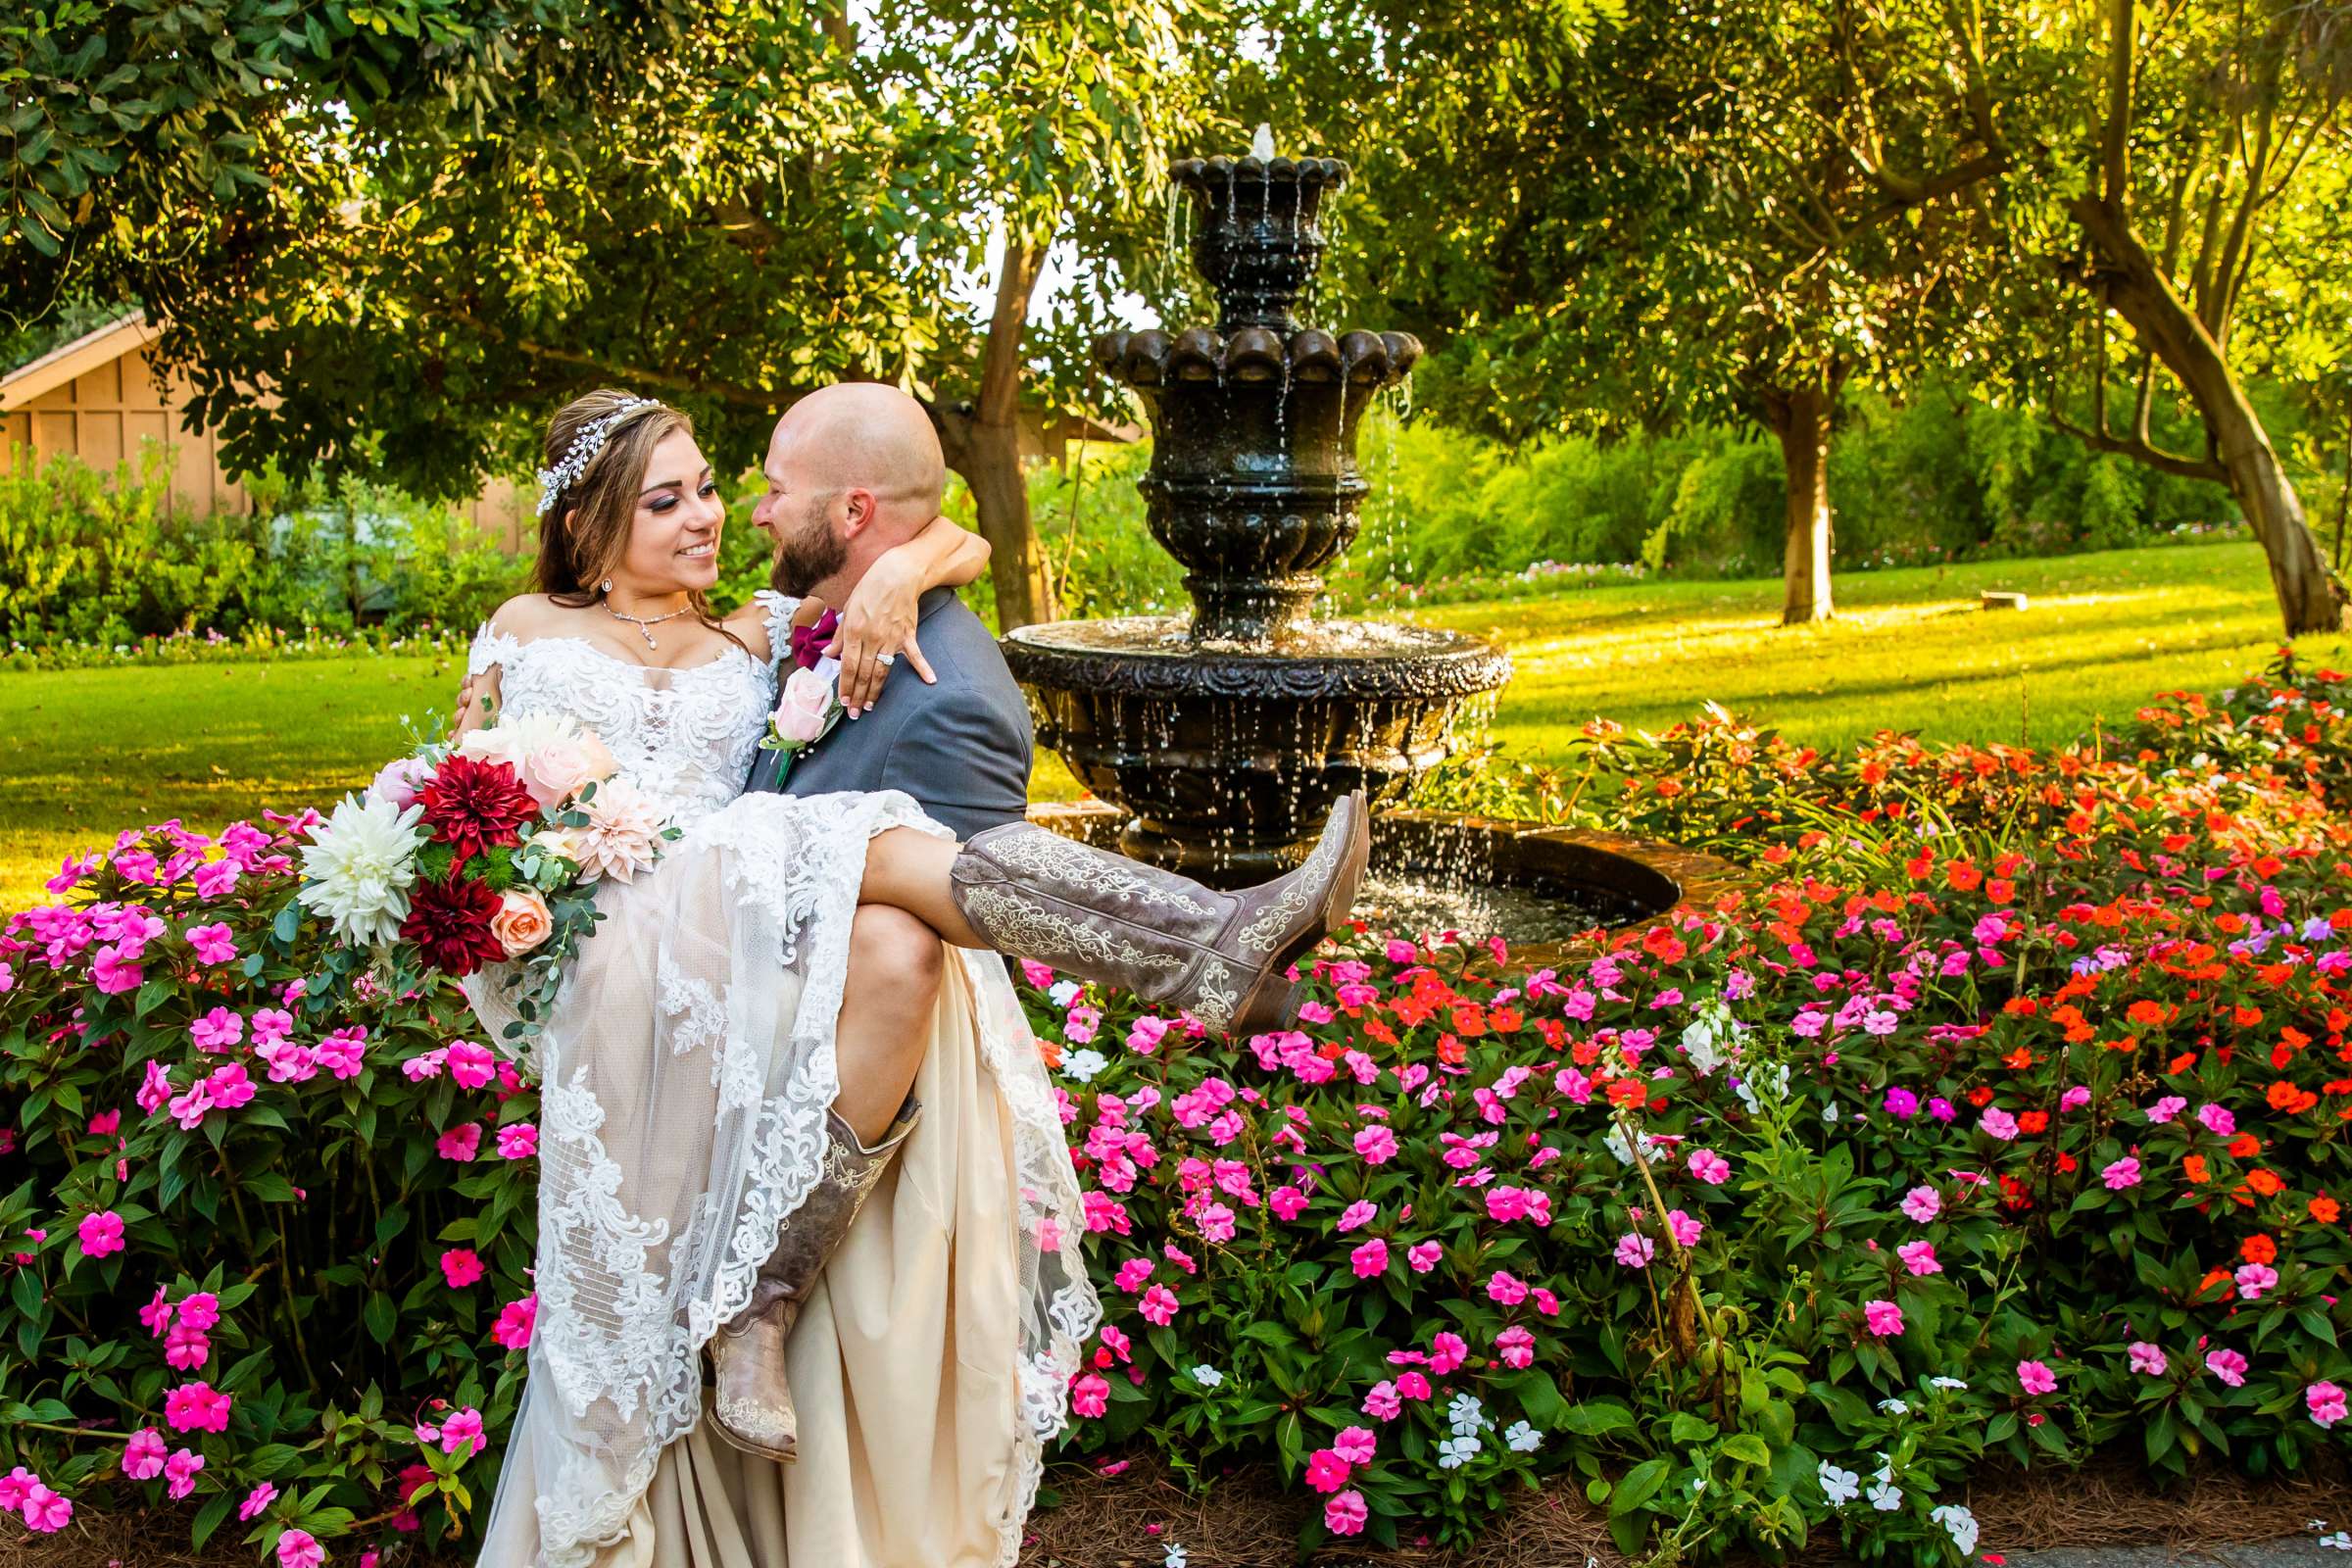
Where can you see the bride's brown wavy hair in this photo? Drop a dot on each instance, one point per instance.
(586, 533)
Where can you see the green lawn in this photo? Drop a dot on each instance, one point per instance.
(84, 753)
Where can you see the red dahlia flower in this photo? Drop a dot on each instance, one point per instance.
(450, 920)
(471, 804)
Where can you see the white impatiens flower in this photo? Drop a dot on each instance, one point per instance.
(1651, 1149)
(2341, 1541)
(1840, 1487)
(1946, 1382)
(1828, 1113)
(359, 865)
(1083, 1063)
(1455, 1452)
(1175, 1557)
(1884, 1495)
(1062, 993)
(1522, 1437)
(1893, 1407)
(1960, 1524)
(1465, 1416)
(1209, 1377)
(1698, 1044)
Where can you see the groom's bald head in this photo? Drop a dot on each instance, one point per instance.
(852, 470)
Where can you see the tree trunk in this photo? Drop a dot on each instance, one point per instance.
(1800, 419)
(982, 440)
(2241, 456)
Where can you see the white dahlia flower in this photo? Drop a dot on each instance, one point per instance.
(359, 865)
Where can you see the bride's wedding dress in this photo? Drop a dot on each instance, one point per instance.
(686, 1071)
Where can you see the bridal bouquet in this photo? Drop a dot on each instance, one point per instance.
(488, 851)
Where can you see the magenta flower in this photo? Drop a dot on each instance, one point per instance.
(518, 1140)
(2326, 1403)
(1517, 1346)
(2253, 1279)
(462, 1434)
(298, 1548)
(1158, 1305)
(2148, 1360)
(1507, 1288)
(259, 1497)
(1922, 1204)
(1709, 1166)
(2167, 1108)
(461, 1267)
(1634, 1249)
(516, 1320)
(143, 1455)
(1423, 1256)
(218, 1030)
(2229, 1366)
(1902, 1102)
(1997, 1123)
(200, 1311)
(1919, 1258)
(45, 1512)
(1287, 1202)
(2124, 1173)
(101, 1234)
(459, 1144)
(187, 1347)
(2217, 1120)
(228, 1085)
(13, 1488)
(1090, 1395)
(1355, 1444)
(1356, 1215)
(197, 1407)
(1326, 1471)
(1686, 1229)
(2036, 1377)
(180, 1472)
(1447, 1351)
(1381, 1403)
(1344, 1513)
(1375, 1144)
(1883, 1318)
(1369, 1260)
(157, 1314)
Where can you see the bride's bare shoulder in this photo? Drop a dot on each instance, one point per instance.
(529, 616)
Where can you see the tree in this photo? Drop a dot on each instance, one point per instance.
(1645, 216)
(745, 202)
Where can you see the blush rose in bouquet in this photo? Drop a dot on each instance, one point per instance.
(487, 852)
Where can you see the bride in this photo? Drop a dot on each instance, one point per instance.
(712, 1120)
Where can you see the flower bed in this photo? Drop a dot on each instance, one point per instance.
(212, 647)
(2006, 1117)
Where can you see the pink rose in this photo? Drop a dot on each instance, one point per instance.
(400, 781)
(564, 766)
(521, 922)
(799, 716)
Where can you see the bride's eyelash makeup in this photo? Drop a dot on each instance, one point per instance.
(668, 503)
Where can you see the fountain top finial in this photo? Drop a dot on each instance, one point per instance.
(1261, 145)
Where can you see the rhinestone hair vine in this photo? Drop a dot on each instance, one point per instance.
(553, 482)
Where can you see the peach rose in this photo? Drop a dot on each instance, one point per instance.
(521, 922)
(561, 768)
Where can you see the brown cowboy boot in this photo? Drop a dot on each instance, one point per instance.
(753, 1406)
(1221, 956)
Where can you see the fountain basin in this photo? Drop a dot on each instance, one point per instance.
(1227, 757)
(1600, 881)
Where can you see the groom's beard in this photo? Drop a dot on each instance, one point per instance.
(809, 554)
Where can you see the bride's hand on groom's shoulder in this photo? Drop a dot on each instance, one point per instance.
(878, 625)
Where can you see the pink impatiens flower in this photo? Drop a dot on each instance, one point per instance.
(2253, 1279)
(180, 1472)
(472, 1066)
(298, 1548)
(1090, 1395)
(2036, 1377)
(2228, 1365)
(1883, 1318)
(101, 1233)
(197, 1407)
(1344, 1513)
(518, 1140)
(1422, 1257)
(516, 1320)
(1158, 1305)
(45, 1512)
(2124, 1173)
(143, 1455)
(1709, 1166)
(1369, 1260)
(1634, 1249)
(1375, 1144)
(1923, 1204)
(200, 1311)
(1516, 1345)
(463, 1433)
(1686, 1229)
(1919, 1258)
(459, 1144)
(1355, 1444)
(461, 1267)
(259, 1497)
(2326, 1403)
(1326, 1471)
(2148, 1360)
(1356, 1215)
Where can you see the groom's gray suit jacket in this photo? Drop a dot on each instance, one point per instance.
(961, 748)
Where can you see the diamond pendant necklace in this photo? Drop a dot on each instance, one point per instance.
(645, 623)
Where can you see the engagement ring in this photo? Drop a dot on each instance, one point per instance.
(885, 659)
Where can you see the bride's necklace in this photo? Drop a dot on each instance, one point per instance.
(645, 623)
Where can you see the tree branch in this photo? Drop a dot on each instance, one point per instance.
(2141, 451)
(701, 386)
(2114, 153)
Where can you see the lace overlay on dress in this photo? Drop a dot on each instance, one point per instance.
(686, 1071)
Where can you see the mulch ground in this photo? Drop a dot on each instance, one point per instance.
(1246, 1520)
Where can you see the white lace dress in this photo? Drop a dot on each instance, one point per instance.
(686, 1070)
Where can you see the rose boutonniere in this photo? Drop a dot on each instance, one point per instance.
(810, 705)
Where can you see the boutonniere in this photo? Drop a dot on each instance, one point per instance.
(810, 705)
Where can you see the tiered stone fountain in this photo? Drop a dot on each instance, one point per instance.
(1227, 735)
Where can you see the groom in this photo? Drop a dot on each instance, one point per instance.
(853, 469)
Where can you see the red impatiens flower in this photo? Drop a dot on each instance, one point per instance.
(470, 804)
(449, 919)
